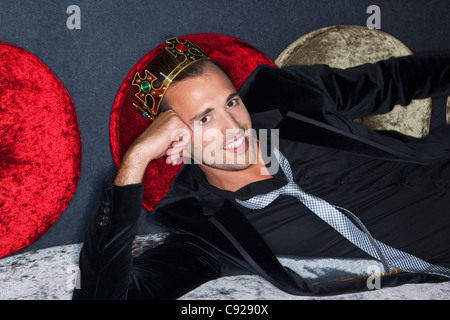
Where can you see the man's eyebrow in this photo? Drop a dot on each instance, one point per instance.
(208, 110)
(234, 94)
(201, 114)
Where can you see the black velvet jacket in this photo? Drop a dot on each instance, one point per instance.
(307, 103)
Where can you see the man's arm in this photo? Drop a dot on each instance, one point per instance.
(107, 268)
(167, 135)
(352, 93)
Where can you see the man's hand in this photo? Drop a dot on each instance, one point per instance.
(167, 135)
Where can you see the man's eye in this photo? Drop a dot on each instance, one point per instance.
(204, 120)
(232, 103)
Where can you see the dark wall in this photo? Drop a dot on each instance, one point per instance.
(93, 61)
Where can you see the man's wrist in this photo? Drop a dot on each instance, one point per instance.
(124, 178)
(132, 169)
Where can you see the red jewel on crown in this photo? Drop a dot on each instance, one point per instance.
(181, 47)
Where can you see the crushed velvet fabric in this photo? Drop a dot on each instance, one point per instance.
(345, 46)
(40, 149)
(448, 111)
(238, 58)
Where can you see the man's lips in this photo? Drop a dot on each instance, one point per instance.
(236, 143)
(237, 146)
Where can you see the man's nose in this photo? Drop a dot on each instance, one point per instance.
(229, 124)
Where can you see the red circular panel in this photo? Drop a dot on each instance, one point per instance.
(237, 57)
(40, 149)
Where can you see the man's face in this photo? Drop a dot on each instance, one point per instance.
(210, 105)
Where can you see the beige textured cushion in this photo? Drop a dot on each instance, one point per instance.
(345, 46)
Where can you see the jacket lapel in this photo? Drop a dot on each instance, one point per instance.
(224, 228)
(241, 234)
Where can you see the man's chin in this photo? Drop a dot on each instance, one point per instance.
(229, 167)
(232, 164)
(230, 161)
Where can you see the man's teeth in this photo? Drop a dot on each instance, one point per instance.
(235, 144)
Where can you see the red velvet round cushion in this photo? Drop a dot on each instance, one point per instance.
(237, 57)
(40, 149)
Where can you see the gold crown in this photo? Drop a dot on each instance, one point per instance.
(148, 95)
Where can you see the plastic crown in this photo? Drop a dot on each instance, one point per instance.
(148, 95)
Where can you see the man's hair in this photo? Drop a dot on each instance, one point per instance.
(166, 62)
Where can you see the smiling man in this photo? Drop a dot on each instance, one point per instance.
(210, 126)
(345, 199)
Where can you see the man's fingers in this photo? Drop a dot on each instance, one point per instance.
(181, 134)
(181, 144)
(174, 151)
(177, 155)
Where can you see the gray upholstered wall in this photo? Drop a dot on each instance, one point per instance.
(92, 61)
